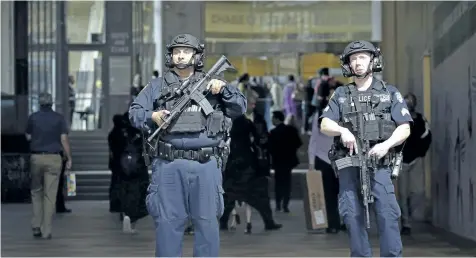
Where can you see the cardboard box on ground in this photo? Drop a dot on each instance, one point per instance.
(314, 201)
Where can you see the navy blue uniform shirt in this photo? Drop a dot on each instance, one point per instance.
(46, 127)
(399, 110)
(140, 114)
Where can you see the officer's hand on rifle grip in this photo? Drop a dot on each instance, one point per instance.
(379, 150)
(215, 86)
(348, 139)
(159, 116)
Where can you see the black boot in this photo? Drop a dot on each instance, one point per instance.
(248, 228)
(238, 220)
(273, 226)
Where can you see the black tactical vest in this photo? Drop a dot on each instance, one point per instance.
(192, 120)
(375, 106)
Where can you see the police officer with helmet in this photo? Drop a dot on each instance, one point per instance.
(383, 108)
(186, 180)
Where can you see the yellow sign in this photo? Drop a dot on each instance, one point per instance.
(304, 19)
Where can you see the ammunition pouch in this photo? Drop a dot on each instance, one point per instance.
(187, 122)
(376, 130)
(215, 123)
(167, 152)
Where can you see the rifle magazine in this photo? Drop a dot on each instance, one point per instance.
(347, 162)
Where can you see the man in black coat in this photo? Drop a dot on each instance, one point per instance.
(284, 142)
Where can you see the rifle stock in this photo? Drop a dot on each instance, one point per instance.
(194, 93)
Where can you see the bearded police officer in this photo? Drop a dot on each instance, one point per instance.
(386, 125)
(186, 178)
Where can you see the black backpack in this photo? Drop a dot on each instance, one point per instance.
(130, 157)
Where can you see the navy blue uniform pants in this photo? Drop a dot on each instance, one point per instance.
(181, 190)
(386, 208)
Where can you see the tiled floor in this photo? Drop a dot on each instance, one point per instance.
(92, 231)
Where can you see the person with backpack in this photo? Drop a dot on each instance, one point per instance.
(412, 178)
(134, 177)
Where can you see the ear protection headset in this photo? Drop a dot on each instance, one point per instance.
(186, 40)
(376, 64)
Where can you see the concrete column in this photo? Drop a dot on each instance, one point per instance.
(8, 59)
(389, 35)
(7, 73)
(376, 20)
(119, 56)
(158, 62)
(182, 17)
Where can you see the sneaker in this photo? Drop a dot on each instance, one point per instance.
(126, 225)
(189, 230)
(36, 232)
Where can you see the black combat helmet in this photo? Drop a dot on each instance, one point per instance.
(357, 47)
(186, 40)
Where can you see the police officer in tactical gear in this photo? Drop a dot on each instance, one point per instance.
(386, 113)
(186, 178)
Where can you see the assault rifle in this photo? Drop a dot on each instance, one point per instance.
(186, 93)
(363, 147)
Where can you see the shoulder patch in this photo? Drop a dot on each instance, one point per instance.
(405, 111)
(399, 97)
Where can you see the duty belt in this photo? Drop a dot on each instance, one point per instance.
(353, 161)
(167, 152)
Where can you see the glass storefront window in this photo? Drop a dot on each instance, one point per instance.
(85, 22)
(143, 39)
(42, 22)
(41, 77)
(41, 54)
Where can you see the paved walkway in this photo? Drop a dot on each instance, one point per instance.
(92, 231)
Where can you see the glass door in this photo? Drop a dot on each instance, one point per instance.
(85, 91)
